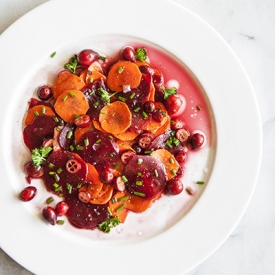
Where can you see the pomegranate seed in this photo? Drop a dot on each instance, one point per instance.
(44, 92)
(182, 135)
(119, 184)
(196, 141)
(84, 196)
(73, 166)
(61, 208)
(128, 53)
(107, 176)
(27, 194)
(174, 186)
(177, 124)
(126, 156)
(82, 121)
(49, 215)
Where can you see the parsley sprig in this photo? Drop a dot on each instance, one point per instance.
(107, 225)
(141, 54)
(72, 64)
(104, 95)
(39, 155)
(169, 91)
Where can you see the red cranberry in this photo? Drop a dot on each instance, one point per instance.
(173, 104)
(49, 215)
(61, 208)
(177, 124)
(137, 149)
(119, 184)
(174, 186)
(73, 166)
(44, 92)
(28, 193)
(82, 121)
(32, 171)
(157, 115)
(149, 106)
(182, 135)
(107, 176)
(84, 196)
(145, 139)
(126, 156)
(197, 140)
(181, 158)
(158, 79)
(87, 57)
(146, 70)
(128, 53)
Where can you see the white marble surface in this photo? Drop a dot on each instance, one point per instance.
(248, 27)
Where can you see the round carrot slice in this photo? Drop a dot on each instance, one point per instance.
(67, 81)
(115, 118)
(38, 110)
(123, 73)
(71, 103)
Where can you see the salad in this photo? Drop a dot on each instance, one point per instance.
(108, 138)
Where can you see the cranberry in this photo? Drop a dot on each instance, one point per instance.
(145, 139)
(174, 186)
(126, 156)
(32, 171)
(84, 196)
(44, 92)
(177, 124)
(181, 158)
(136, 148)
(82, 121)
(128, 53)
(119, 184)
(197, 140)
(73, 166)
(158, 115)
(146, 70)
(182, 135)
(149, 106)
(49, 215)
(158, 79)
(87, 57)
(28, 193)
(61, 208)
(173, 104)
(107, 176)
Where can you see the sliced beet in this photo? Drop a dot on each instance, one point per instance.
(66, 137)
(99, 149)
(146, 176)
(56, 177)
(85, 215)
(42, 128)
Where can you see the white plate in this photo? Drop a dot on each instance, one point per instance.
(65, 25)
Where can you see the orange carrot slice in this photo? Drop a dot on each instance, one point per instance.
(95, 184)
(154, 125)
(104, 195)
(38, 110)
(117, 205)
(71, 103)
(125, 145)
(88, 76)
(123, 73)
(126, 136)
(162, 129)
(67, 81)
(115, 118)
(168, 160)
(79, 132)
(98, 126)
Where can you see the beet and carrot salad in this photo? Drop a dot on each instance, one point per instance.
(106, 139)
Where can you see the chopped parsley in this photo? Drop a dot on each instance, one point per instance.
(39, 155)
(141, 54)
(107, 225)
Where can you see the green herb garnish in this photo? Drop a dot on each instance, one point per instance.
(72, 64)
(141, 54)
(107, 225)
(39, 155)
(169, 91)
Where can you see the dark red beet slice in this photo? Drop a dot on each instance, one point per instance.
(101, 151)
(85, 215)
(41, 129)
(146, 176)
(66, 137)
(57, 179)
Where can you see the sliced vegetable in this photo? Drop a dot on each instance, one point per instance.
(38, 110)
